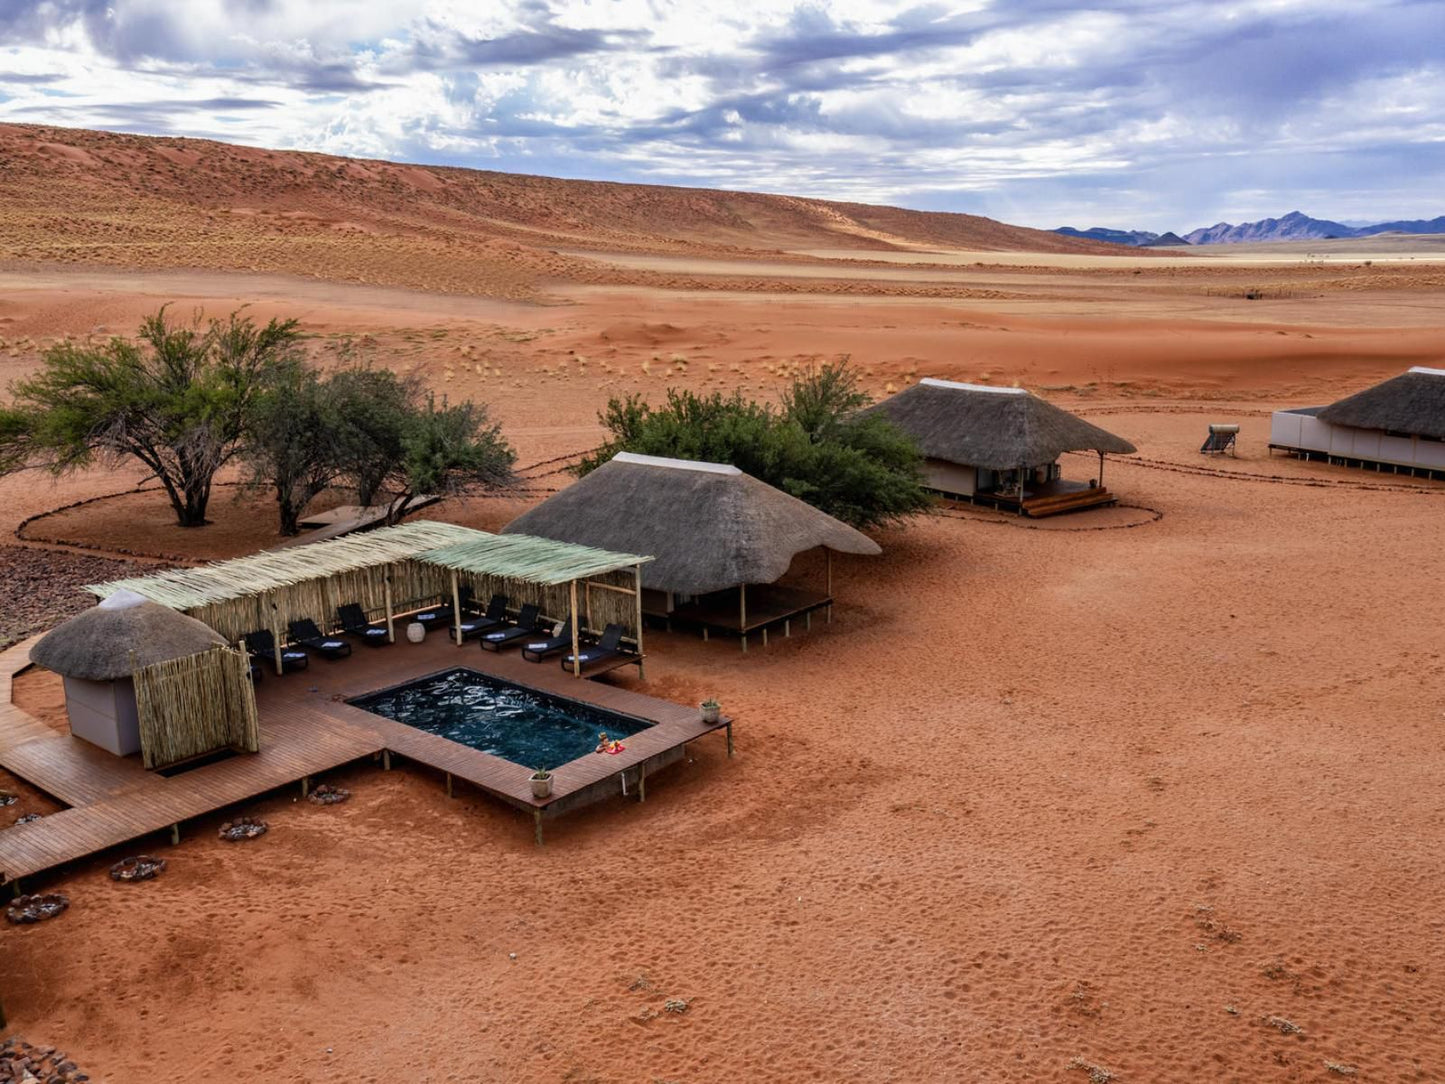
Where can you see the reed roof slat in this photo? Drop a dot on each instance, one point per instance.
(529, 558)
(448, 545)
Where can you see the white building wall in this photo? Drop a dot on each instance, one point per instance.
(1307, 433)
(950, 477)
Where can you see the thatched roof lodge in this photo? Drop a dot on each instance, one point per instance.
(1000, 446)
(714, 532)
(101, 652)
(1397, 425)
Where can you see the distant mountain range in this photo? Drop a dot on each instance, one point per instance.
(1295, 226)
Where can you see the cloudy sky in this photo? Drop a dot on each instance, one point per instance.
(1128, 113)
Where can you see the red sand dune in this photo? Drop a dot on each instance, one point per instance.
(1159, 798)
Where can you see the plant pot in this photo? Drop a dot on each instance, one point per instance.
(541, 788)
(709, 714)
(416, 632)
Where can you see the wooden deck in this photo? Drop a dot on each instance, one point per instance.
(308, 728)
(769, 606)
(1044, 498)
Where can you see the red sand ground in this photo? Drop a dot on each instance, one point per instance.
(1147, 799)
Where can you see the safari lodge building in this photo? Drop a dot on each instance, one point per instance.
(1397, 426)
(1001, 446)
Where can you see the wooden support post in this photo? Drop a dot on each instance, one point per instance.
(637, 594)
(176, 834)
(787, 627)
(642, 783)
(765, 636)
(456, 609)
(743, 614)
(704, 634)
(390, 606)
(276, 635)
(730, 740)
(449, 784)
(587, 605)
(808, 621)
(576, 667)
(537, 822)
(386, 760)
(1101, 471)
(305, 785)
(828, 583)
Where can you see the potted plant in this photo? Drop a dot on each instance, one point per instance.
(541, 783)
(710, 710)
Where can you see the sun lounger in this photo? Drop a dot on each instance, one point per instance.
(261, 645)
(495, 617)
(537, 650)
(609, 647)
(304, 633)
(445, 613)
(354, 623)
(526, 626)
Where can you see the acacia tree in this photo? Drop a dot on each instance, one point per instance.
(819, 445)
(291, 442)
(373, 410)
(447, 450)
(178, 399)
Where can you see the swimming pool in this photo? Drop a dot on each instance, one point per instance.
(527, 727)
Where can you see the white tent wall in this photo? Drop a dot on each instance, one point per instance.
(1294, 431)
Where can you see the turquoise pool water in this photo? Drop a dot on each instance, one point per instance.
(527, 727)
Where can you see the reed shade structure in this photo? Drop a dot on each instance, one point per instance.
(995, 428)
(396, 570)
(711, 526)
(196, 705)
(1411, 404)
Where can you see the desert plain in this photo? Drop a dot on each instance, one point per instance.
(1144, 794)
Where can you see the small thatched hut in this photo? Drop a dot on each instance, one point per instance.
(1000, 446)
(1397, 425)
(99, 651)
(714, 532)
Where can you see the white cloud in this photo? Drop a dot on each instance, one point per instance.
(1141, 113)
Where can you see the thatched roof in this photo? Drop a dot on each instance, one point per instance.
(1413, 402)
(448, 545)
(995, 428)
(708, 525)
(123, 634)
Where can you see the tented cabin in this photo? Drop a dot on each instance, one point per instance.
(1001, 446)
(720, 538)
(141, 678)
(1398, 426)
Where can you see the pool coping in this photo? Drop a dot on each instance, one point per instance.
(577, 783)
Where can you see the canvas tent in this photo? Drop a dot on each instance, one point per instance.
(1000, 446)
(713, 531)
(1397, 425)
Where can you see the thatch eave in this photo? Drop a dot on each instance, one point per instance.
(708, 526)
(994, 428)
(1413, 402)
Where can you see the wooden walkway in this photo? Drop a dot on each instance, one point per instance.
(307, 728)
